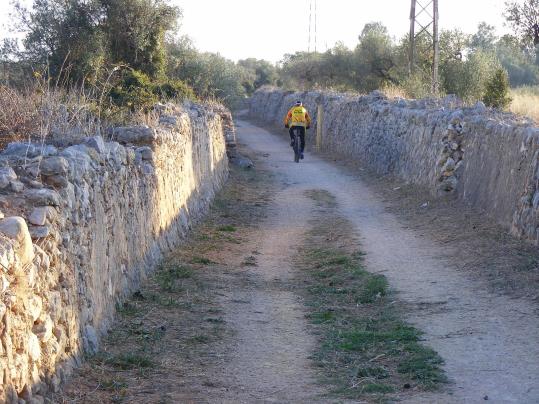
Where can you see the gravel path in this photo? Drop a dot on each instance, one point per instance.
(490, 343)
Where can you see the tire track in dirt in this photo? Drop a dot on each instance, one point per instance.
(269, 358)
(490, 342)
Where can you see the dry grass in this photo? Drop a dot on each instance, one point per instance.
(41, 112)
(525, 102)
(18, 111)
(392, 91)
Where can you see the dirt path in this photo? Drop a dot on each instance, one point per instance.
(269, 354)
(490, 343)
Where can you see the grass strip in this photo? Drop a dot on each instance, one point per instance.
(366, 350)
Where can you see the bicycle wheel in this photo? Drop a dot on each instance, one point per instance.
(297, 146)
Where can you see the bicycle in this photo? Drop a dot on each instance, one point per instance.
(297, 145)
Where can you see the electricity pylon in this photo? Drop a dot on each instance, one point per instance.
(424, 19)
(313, 4)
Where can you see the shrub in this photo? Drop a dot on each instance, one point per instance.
(497, 90)
(174, 89)
(136, 91)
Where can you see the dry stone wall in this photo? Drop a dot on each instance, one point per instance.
(483, 157)
(84, 224)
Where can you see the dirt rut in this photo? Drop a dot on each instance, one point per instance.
(269, 357)
(490, 343)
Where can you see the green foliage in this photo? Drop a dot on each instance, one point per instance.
(137, 91)
(64, 36)
(519, 62)
(210, 75)
(468, 78)
(485, 37)
(497, 90)
(374, 58)
(75, 39)
(170, 89)
(135, 31)
(260, 73)
(523, 17)
(134, 91)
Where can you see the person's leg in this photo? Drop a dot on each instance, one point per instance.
(291, 132)
(302, 138)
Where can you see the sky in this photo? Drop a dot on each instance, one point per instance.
(238, 29)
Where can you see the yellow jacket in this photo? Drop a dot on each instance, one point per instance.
(297, 116)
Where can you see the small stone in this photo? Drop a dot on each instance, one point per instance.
(456, 117)
(449, 184)
(90, 339)
(15, 227)
(6, 176)
(43, 330)
(34, 350)
(56, 181)
(449, 165)
(96, 143)
(33, 183)
(135, 135)
(480, 107)
(34, 307)
(17, 186)
(33, 170)
(48, 150)
(4, 284)
(485, 398)
(54, 166)
(38, 216)
(21, 149)
(37, 232)
(43, 197)
(146, 153)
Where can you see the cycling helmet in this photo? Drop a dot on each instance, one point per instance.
(299, 103)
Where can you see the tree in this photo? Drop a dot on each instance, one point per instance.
(517, 59)
(524, 18)
(260, 73)
(374, 58)
(64, 36)
(485, 38)
(497, 90)
(209, 74)
(303, 70)
(135, 31)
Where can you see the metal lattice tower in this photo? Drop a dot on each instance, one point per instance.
(313, 4)
(424, 17)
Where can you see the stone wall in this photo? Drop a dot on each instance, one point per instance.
(487, 159)
(84, 224)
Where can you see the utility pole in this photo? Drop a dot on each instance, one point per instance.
(424, 20)
(315, 26)
(310, 24)
(313, 4)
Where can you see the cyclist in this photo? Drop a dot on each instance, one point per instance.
(298, 118)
